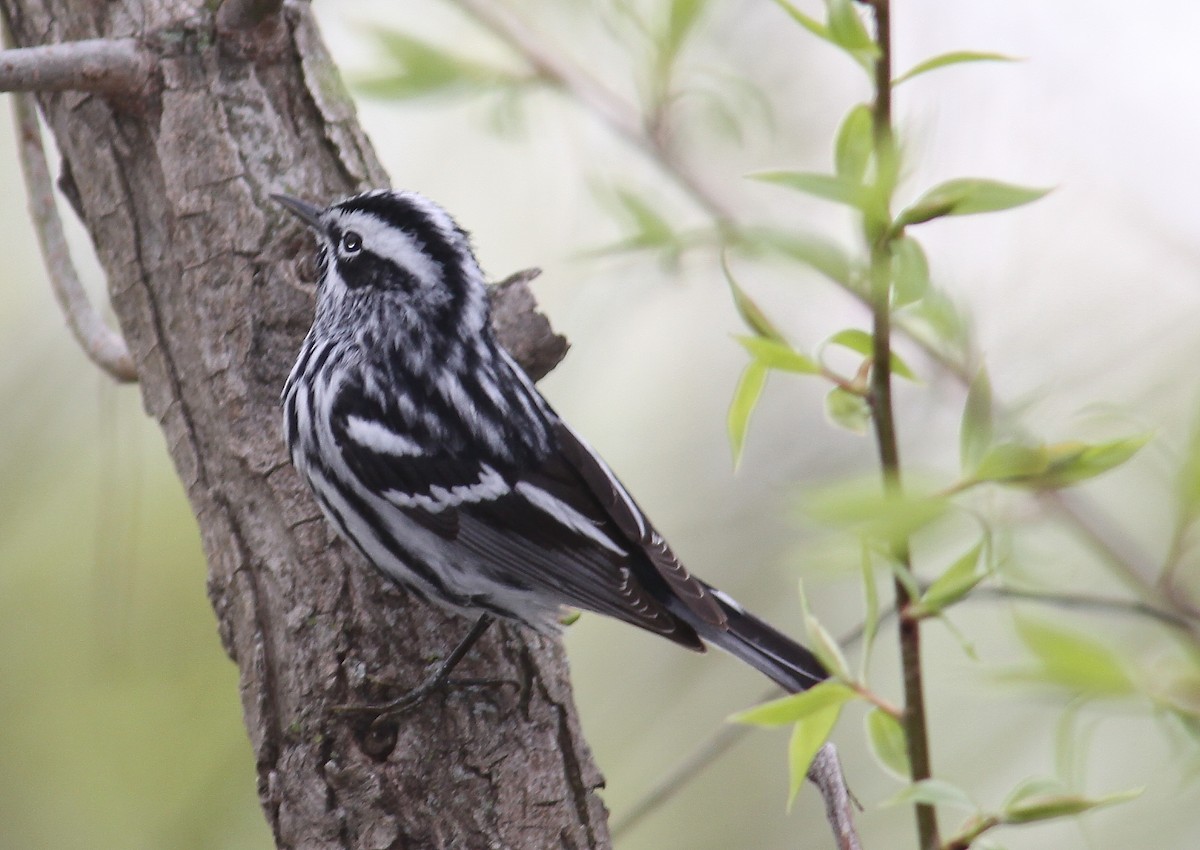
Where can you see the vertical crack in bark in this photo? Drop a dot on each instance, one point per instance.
(576, 783)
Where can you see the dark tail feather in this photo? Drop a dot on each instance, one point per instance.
(767, 650)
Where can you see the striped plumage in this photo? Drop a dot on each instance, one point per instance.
(431, 451)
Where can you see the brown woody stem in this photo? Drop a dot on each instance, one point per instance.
(913, 717)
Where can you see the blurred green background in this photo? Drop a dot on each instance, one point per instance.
(119, 718)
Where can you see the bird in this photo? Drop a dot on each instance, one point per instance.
(429, 449)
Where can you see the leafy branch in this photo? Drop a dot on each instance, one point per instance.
(893, 281)
(549, 67)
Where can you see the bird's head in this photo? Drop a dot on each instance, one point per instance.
(398, 259)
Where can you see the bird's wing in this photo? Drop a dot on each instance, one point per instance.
(538, 528)
(620, 507)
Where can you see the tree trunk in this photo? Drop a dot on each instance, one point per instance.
(206, 278)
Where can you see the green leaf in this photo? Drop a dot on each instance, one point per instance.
(860, 507)
(816, 251)
(846, 27)
(1074, 661)
(750, 312)
(805, 20)
(745, 399)
(964, 644)
(681, 20)
(847, 31)
(808, 736)
(904, 575)
(888, 743)
(953, 58)
(827, 186)
(859, 340)
(871, 603)
(966, 196)
(848, 410)
(729, 104)
(910, 271)
(1070, 463)
(956, 582)
(1056, 465)
(821, 642)
(426, 69)
(1034, 786)
(852, 150)
(1011, 462)
(934, 792)
(937, 321)
(975, 434)
(1178, 691)
(651, 230)
(778, 355)
(796, 707)
(1189, 473)
(1050, 806)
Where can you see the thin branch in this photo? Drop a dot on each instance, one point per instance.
(623, 119)
(105, 347)
(105, 66)
(1096, 604)
(826, 773)
(1136, 569)
(717, 744)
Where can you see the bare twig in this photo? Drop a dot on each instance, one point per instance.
(103, 346)
(1084, 602)
(826, 773)
(721, 741)
(1136, 568)
(106, 66)
(625, 120)
(244, 14)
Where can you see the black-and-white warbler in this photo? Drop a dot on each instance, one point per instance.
(432, 452)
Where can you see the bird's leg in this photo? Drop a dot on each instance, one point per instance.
(436, 680)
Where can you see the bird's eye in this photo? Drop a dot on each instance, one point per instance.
(351, 242)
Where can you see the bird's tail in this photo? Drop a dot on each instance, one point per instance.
(763, 647)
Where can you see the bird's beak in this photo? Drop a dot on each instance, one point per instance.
(306, 212)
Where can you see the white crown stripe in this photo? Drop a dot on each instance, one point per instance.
(394, 245)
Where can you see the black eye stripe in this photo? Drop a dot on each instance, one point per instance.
(403, 215)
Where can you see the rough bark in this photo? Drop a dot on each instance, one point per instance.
(205, 278)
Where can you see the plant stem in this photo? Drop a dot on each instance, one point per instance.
(880, 236)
